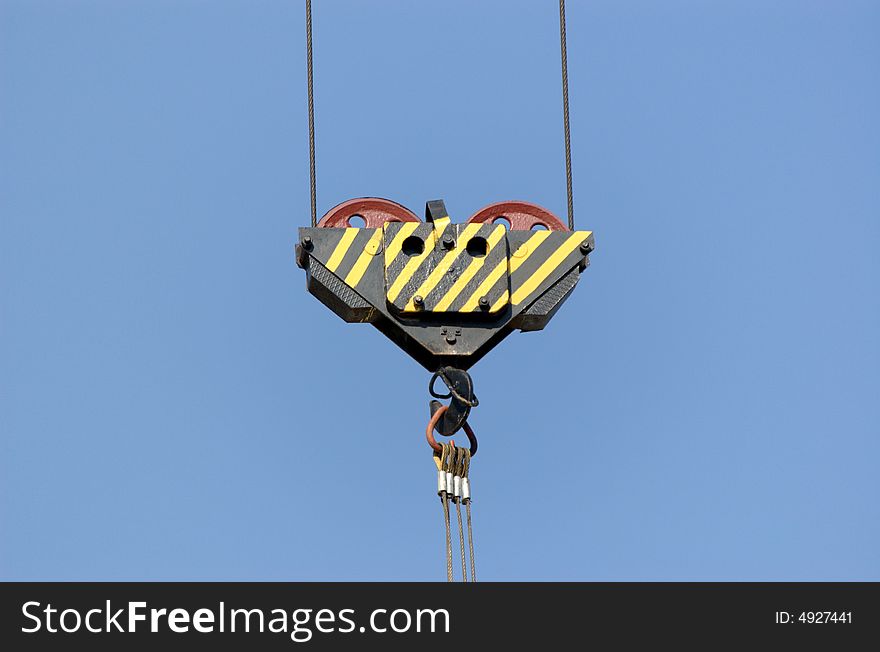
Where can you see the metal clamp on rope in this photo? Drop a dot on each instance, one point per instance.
(450, 480)
(441, 474)
(461, 393)
(465, 483)
(457, 473)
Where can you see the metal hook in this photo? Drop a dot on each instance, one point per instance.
(461, 393)
(435, 418)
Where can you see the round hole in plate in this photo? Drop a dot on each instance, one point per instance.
(502, 221)
(477, 247)
(538, 226)
(413, 246)
(357, 222)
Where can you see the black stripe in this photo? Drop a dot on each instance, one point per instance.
(538, 258)
(393, 270)
(372, 283)
(418, 277)
(354, 251)
(324, 242)
(515, 239)
(498, 289)
(547, 248)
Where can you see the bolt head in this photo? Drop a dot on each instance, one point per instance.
(307, 241)
(586, 247)
(448, 241)
(419, 300)
(484, 303)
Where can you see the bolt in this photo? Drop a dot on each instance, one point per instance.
(448, 241)
(450, 337)
(419, 301)
(307, 241)
(586, 247)
(484, 303)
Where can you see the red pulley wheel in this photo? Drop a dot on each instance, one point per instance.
(373, 210)
(522, 216)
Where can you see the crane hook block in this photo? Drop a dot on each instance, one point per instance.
(445, 293)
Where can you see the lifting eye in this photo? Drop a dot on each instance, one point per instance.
(413, 246)
(477, 247)
(502, 221)
(357, 222)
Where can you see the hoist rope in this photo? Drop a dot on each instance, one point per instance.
(458, 472)
(445, 505)
(565, 114)
(444, 500)
(461, 540)
(453, 486)
(466, 499)
(565, 120)
(312, 184)
(471, 541)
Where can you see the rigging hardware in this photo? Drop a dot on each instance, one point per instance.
(445, 293)
(445, 307)
(453, 486)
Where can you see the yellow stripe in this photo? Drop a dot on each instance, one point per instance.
(441, 223)
(357, 272)
(406, 230)
(471, 304)
(445, 263)
(411, 266)
(469, 272)
(552, 262)
(341, 249)
(529, 245)
(501, 301)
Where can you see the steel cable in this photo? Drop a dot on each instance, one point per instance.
(445, 505)
(459, 472)
(461, 541)
(466, 499)
(444, 498)
(309, 66)
(567, 130)
(565, 112)
(471, 541)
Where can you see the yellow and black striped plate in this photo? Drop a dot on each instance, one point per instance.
(352, 254)
(538, 259)
(448, 280)
(515, 269)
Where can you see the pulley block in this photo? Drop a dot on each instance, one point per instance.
(445, 293)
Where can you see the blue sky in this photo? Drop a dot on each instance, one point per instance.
(175, 405)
